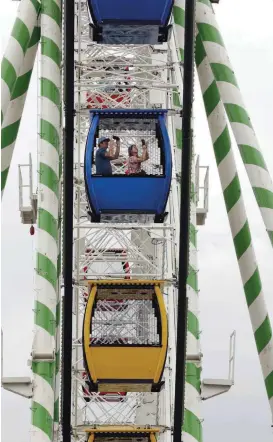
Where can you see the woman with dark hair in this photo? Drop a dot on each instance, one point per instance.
(134, 161)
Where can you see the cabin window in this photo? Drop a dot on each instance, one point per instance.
(131, 132)
(126, 316)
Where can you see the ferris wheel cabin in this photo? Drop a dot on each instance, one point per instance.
(123, 192)
(130, 22)
(133, 337)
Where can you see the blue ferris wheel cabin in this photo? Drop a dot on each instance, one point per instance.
(128, 193)
(130, 21)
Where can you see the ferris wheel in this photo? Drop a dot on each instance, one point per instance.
(116, 352)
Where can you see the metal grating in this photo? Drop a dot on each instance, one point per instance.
(124, 322)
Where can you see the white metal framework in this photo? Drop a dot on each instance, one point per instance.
(138, 77)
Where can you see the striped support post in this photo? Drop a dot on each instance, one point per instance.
(57, 371)
(192, 428)
(243, 131)
(179, 25)
(57, 355)
(44, 345)
(237, 216)
(17, 46)
(12, 120)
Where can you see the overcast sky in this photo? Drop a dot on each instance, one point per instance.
(242, 414)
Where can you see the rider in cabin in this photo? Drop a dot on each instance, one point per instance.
(134, 161)
(103, 158)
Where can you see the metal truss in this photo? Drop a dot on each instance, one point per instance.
(108, 246)
(118, 247)
(115, 76)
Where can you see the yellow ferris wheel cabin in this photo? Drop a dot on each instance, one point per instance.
(125, 335)
(124, 433)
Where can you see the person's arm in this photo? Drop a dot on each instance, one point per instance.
(117, 147)
(144, 156)
(145, 152)
(109, 155)
(111, 151)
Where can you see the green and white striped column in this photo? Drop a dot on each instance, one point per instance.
(179, 26)
(231, 96)
(56, 416)
(237, 216)
(44, 346)
(17, 46)
(12, 120)
(192, 427)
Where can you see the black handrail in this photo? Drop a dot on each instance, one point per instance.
(68, 162)
(182, 308)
